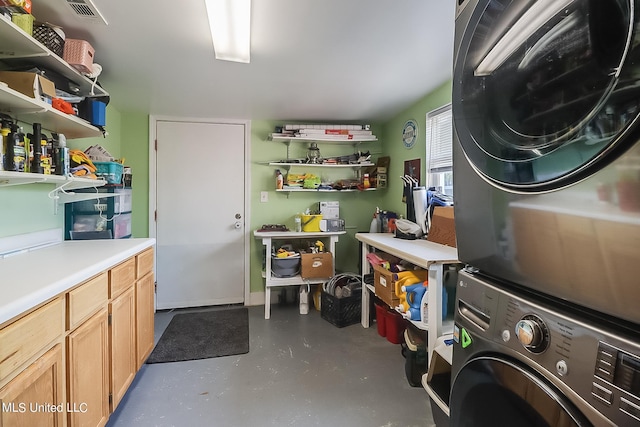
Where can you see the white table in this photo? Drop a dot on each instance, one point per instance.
(268, 237)
(425, 254)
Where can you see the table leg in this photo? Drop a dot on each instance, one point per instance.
(366, 295)
(267, 302)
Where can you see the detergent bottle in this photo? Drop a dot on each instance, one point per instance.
(415, 294)
(304, 298)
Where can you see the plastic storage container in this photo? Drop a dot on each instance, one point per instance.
(79, 54)
(46, 35)
(285, 267)
(414, 350)
(341, 312)
(111, 171)
(395, 325)
(109, 209)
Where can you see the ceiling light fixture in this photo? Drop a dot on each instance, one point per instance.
(230, 24)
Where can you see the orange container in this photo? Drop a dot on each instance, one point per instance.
(79, 54)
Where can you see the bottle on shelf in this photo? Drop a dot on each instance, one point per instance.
(365, 181)
(279, 180)
(375, 222)
(298, 223)
(35, 142)
(5, 129)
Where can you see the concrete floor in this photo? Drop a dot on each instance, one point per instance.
(300, 371)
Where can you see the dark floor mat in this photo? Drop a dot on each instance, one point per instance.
(203, 335)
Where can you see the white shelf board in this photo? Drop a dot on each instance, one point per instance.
(323, 165)
(70, 183)
(356, 140)
(31, 110)
(303, 190)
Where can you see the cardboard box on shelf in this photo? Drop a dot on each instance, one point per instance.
(384, 285)
(443, 227)
(30, 84)
(316, 266)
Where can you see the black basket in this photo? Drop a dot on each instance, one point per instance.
(48, 37)
(341, 311)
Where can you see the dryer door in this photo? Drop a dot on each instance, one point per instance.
(546, 92)
(489, 391)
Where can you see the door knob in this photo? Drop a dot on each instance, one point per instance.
(238, 216)
(238, 224)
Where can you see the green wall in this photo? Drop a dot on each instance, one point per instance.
(355, 208)
(394, 147)
(27, 208)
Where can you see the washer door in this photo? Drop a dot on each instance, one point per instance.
(490, 392)
(546, 92)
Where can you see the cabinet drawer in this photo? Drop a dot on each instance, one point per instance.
(122, 277)
(86, 299)
(144, 263)
(24, 338)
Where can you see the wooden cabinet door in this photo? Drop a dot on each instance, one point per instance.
(144, 317)
(35, 396)
(88, 372)
(122, 332)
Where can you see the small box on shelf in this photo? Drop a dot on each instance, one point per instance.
(318, 265)
(384, 285)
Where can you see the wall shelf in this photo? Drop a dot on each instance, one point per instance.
(15, 44)
(30, 110)
(325, 140)
(317, 190)
(8, 178)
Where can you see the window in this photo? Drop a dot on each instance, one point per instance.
(439, 134)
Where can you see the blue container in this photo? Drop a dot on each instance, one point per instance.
(93, 111)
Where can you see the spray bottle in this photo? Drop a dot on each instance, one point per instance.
(375, 222)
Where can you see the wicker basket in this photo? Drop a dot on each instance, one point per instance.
(79, 54)
(48, 37)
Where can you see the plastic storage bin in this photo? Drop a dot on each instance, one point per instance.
(49, 38)
(341, 312)
(79, 54)
(414, 350)
(381, 320)
(285, 267)
(395, 325)
(111, 171)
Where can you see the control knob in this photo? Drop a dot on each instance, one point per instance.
(532, 333)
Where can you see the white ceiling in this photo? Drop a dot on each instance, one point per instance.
(319, 60)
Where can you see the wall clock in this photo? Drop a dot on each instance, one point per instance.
(409, 133)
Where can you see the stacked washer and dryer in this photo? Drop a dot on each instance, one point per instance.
(546, 105)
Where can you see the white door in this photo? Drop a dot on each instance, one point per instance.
(200, 225)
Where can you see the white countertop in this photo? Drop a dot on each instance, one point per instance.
(418, 252)
(31, 278)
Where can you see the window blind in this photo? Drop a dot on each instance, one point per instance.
(439, 134)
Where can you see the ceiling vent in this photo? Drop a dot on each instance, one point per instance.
(87, 11)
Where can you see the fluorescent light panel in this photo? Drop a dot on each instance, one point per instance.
(230, 23)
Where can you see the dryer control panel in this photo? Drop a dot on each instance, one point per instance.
(587, 362)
